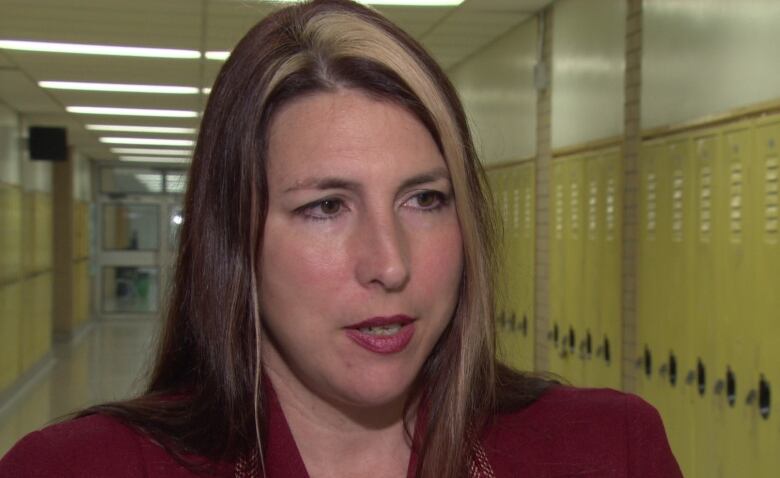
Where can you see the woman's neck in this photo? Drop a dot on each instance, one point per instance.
(338, 440)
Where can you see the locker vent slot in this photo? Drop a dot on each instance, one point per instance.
(574, 203)
(705, 202)
(505, 207)
(650, 222)
(559, 211)
(528, 214)
(610, 211)
(593, 207)
(678, 184)
(607, 355)
(516, 209)
(735, 201)
(772, 198)
(672, 370)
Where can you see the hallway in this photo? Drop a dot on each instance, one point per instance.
(107, 362)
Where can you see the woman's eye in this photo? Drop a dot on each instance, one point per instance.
(429, 200)
(324, 209)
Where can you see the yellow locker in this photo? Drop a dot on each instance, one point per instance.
(509, 215)
(650, 298)
(574, 267)
(557, 329)
(674, 352)
(36, 322)
(528, 263)
(608, 336)
(761, 396)
(738, 320)
(705, 317)
(593, 281)
(520, 270)
(499, 196)
(42, 231)
(10, 350)
(11, 238)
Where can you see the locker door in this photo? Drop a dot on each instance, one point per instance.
(502, 287)
(675, 345)
(513, 269)
(705, 316)
(767, 201)
(574, 266)
(557, 268)
(739, 317)
(524, 328)
(593, 279)
(609, 338)
(650, 299)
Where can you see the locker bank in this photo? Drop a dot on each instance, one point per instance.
(632, 149)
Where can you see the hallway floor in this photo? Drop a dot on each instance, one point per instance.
(107, 362)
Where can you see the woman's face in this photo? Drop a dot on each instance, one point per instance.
(362, 255)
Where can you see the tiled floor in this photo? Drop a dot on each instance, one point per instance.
(108, 362)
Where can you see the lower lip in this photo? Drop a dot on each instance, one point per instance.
(383, 344)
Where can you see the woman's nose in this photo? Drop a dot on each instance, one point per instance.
(383, 255)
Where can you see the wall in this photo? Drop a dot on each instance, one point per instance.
(703, 57)
(587, 71)
(497, 89)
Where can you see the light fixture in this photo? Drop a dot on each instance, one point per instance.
(156, 159)
(148, 141)
(85, 49)
(217, 55)
(97, 110)
(206, 91)
(117, 87)
(140, 129)
(153, 152)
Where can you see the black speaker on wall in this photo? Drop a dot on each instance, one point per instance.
(48, 143)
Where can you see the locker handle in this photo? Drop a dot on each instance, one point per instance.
(511, 322)
(525, 325)
(764, 398)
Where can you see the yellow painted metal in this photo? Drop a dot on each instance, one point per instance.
(42, 231)
(81, 229)
(36, 324)
(650, 300)
(80, 292)
(10, 317)
(736, 279)
(557, 325)
(498, 181)
(11, 237)
(607, 336)
(593, 282)
(710, 224)
(675, 354)
(766, 200)
(520, 253)
(574, 292)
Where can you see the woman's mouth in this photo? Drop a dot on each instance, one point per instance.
(383, 335)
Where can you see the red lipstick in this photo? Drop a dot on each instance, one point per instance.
(383, 343)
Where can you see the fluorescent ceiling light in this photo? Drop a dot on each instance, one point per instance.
(98, 49)
(217, 55)
(206, 91)
(153, 152)
(96, 110)
(117, 87)
(149, 141)
(140, 129)
(156, 159)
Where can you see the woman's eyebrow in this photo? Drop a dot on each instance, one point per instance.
(333, 182)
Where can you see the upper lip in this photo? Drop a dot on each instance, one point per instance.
(383, 321)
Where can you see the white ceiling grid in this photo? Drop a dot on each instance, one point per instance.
(450, 33)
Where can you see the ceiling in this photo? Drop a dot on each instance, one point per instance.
(451, 34)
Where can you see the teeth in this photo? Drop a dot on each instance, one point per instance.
(384, 330)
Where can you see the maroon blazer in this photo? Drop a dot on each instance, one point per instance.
(568, 432)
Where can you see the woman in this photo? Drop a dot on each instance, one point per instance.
(331, 312)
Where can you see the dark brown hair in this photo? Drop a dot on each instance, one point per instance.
(204, 396)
